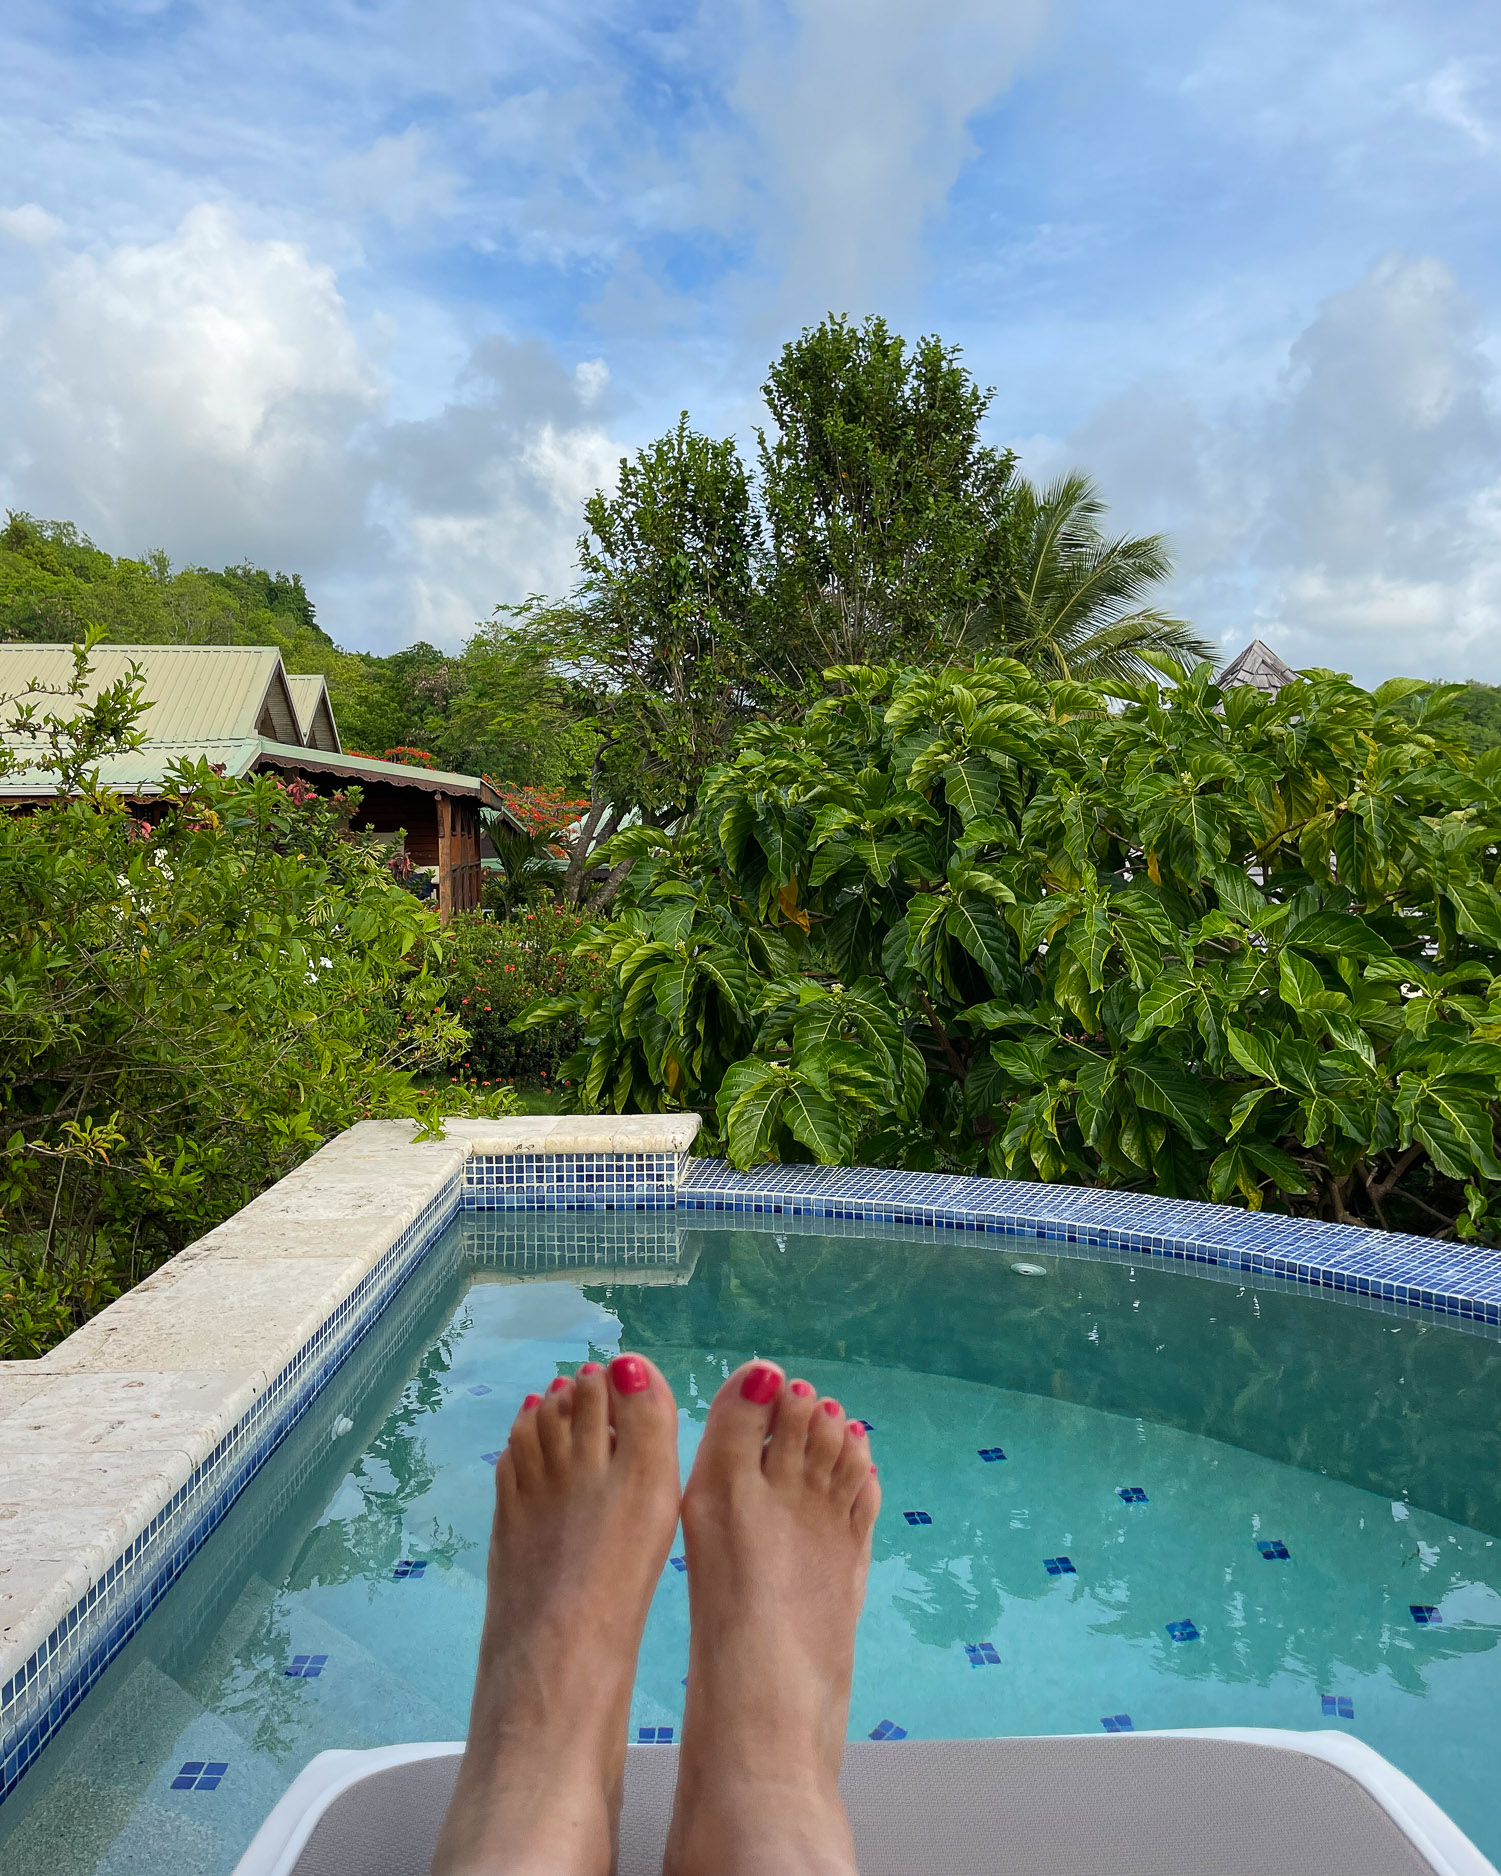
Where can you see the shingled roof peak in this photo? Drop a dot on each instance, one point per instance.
(1260, 667)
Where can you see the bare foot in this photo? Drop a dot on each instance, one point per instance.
(583, 1522)
(777, 1533)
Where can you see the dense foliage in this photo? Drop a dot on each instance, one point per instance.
(494, 970)
(187, 1008)
(1209, 944)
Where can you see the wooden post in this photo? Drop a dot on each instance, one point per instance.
(445, 858)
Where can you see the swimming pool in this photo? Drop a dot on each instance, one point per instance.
(1115, 1494)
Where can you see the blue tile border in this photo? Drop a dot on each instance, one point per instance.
(1459, 1282)
(1447, 1279)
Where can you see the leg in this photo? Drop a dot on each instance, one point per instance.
(777, 1532)
(583, 1522)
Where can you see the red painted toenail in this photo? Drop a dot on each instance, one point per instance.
(802, 1389)
(832, 1407)
(590, 1367)
(628, 1372)
(760, 1385)
(857, 1427)
(532, 1400)
(872, 1472)
(557, 1384)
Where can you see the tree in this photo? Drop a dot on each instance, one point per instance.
(882, 504)
(1210, 944)
(1070, 601)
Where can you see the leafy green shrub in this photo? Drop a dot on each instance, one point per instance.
(496, 970)
(188, 1007)
(1216, 945)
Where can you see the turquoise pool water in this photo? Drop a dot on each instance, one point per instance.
(1169, 1435)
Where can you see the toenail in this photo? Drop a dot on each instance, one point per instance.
(802, 1389)
(760, 1385)
(557, 1384)
(628, 1372)
(832, 1407)
(591, 1367)
(857, 1427)
(532, 1400)
(872, 1472)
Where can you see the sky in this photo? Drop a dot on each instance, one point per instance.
(381, 291)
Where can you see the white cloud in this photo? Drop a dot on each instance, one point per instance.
(398, 179)
(860, 110)
(30, 223)
(1449, 96)
(1350, 511)
(204, 389)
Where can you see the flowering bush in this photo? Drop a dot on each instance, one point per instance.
(403, 752)
(539, 810)
(496, 969)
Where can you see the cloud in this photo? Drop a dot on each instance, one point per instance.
(1449, 96)
(1350, 510)
(31, 224)
(204, 388)
(398, 179)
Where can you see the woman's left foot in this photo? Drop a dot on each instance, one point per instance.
(586, 1502)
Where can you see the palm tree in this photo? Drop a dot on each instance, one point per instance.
(1071, 606)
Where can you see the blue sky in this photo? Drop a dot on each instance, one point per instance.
(381, 291)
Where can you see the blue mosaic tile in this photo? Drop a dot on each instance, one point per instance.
(1337, 1706)
(917, 1517)
(1131, 1495)
(1272, 1549)
(1118, 1723)
(990, 1454)
(410, 1567)
(1058, 1566)
(653, 1735)
(480, 1388)
(492, 1459)
(678, 1563)
(888, 1729)
(982, 1654)
(307, 1667)
(1425, 1615)
(200, 1775)
(1183, 1631)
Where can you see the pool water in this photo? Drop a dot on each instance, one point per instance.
(1114, 1496)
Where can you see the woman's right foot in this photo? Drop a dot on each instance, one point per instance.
(777, 1518)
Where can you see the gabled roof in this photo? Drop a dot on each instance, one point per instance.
(1260, 667)
(195, 693)
(315, 713)
(366, 769)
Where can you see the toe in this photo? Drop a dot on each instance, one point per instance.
(740, 1417)
(644, 1415)
(591, 1414)
(852, 1467)
(555, 1423)
(867, 1504)
(825, 1439)
(525, 1444)
(785, 1451)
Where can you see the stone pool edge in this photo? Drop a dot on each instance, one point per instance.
(123, 1448)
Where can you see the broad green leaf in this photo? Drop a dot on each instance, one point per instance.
(1167, 1088)
(1254, 1053)
(1339, 932)
(1300, 982)
(815, 1120)
(973, 922)
(971, 786)
(1164, 1003)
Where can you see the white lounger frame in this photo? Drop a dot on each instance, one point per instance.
(1448, 1852)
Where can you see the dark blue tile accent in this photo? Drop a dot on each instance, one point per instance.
(480, 1388)
(1131, 1494)
(1058, 1566)
(1337, 1706)
(307, 1667)
(491, 1459)
(678, 1563)
(653, 1735)
(1183, 1631)
(888, 1729)
(1425, 1615)
(410, 1567)
(917, 1517)
(200, 1775)
(982, 1654)
(990, 1454)
(1272, 1549)
(1118, 1723)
